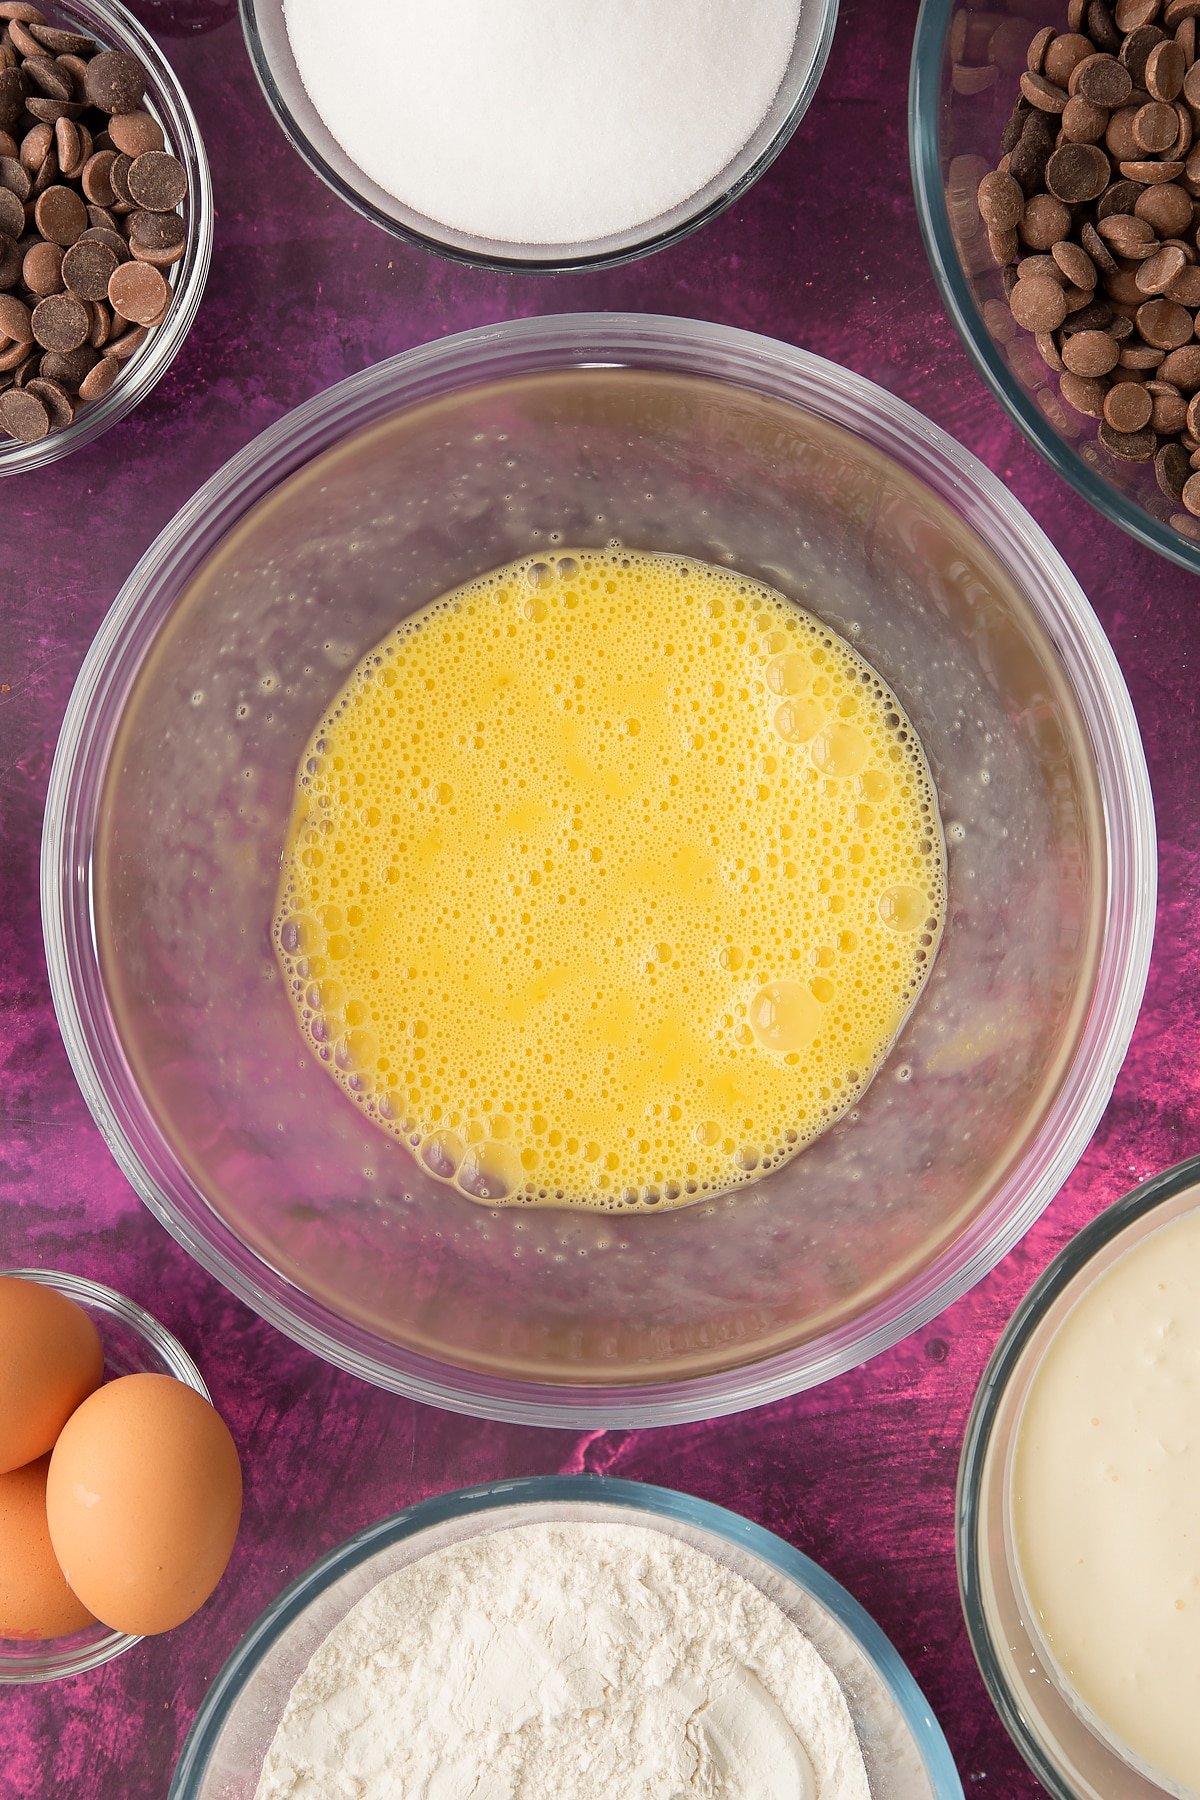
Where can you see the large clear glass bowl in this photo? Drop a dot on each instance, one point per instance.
(954, 139)
(271, 54)
(134, 1344)
(1070, 1755)
(115, 28)
(173, 783)
(906, 1755)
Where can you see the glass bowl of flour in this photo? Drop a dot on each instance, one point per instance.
(569, 1636)
(542, 134)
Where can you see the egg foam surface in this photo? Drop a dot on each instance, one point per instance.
(610, 880)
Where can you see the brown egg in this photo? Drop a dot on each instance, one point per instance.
(50, 1360)
(35, 1601)
(144, 1498)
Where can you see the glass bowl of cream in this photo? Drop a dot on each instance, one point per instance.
(837, 1712)
(1078, 1548)
(541, 135)
(175, 782)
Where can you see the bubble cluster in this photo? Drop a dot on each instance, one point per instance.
(610, 879)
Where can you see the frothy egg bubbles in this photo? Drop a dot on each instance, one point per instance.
(610, 880)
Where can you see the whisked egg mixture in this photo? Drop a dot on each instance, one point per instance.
(610, 880)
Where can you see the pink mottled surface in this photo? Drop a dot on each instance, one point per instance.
(860, 1474)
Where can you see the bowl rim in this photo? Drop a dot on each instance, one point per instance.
(924, 107)
(559, 262)
(723, 354)
(56, 1665)
(109, 20)
(662, 1503)
(1138, 1204)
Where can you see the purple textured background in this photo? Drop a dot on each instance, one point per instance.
(825, 253)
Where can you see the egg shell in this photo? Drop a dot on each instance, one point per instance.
(35, 1601)
(50, 1360)
(144, 1499)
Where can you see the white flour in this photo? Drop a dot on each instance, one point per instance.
(566, 1662)
(542, 121)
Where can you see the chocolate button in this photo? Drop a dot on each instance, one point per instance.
(1167, 208)
(1130, 446)
(42, 269)
(60, 215)
(120, 349)
(1155, 126)
(1078, 172)
(158, 182)
(15, 177)
(94, 178)
(99, 379)
(54, 398)
(1157, 272)
(138, 292)
(1182, 367)
(1038, 303)
(24, 416)
(115, 82)
(36, 146)
(1129, 14)
(1102, 80)
(1172, 470)
(1164, 323)
(1186, 287)
(135, 133)
(68, 366)
(15, 319)
(12, 98)
(47, 77)
(1166, 67)
(61, 322)
(1127, 406)
(1075, 264)
(10, 261)
(158, 238)
(1091, 353)
(68, 143)
(62, 43)
(87, 268)
(12, 214)
(1135, 51)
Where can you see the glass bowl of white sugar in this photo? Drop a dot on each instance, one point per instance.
(541, 134)
(571, 1635)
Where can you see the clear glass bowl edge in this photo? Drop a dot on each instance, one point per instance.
(719, 352)
(1057, 1276)
(665, 1503)
(924, 98)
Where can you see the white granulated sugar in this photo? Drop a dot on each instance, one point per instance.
(542, 121)
(566, 1662)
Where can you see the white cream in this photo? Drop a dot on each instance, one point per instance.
(1106, 1500)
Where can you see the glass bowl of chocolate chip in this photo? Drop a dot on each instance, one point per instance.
(105, 223)
(1056, 161)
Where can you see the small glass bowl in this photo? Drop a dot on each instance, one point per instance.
(271, 55)
(116, 29)
(134, 1344)
(906, 1755)
(954, 132)
(1070, 1756)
